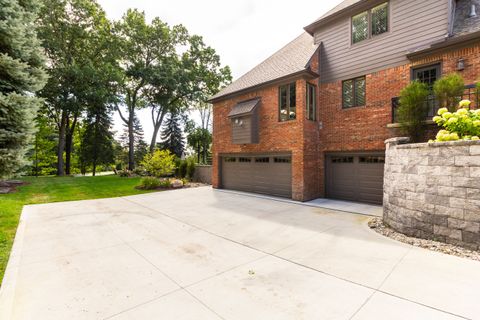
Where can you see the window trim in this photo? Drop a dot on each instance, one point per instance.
(370, 36)
(307, 113)
(354, 93)
(288, 88)
(437, 65)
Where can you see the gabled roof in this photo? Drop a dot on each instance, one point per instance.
(244, 107)
(293, 58)
(343, 6)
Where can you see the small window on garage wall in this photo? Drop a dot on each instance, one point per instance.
(282, 159)
(354, 93)
(311, 110)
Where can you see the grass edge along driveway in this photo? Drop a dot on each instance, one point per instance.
(55, 189)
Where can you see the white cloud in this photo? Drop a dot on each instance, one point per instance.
(243, 32)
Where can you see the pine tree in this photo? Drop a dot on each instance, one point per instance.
(21, 75)
(97, 139)
(172, 136)
(140, 146)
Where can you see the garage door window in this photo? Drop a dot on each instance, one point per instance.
(262, 160)
(230, 159)
(372, 159)
(244, 160)
(282, 160)
(342, 159)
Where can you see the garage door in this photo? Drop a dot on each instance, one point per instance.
(266, 174)
(355, 177)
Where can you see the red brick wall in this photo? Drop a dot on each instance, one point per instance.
(355, 129)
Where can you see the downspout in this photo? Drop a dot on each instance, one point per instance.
(452, 5)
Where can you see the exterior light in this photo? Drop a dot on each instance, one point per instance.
(461, 64)
(473, 13)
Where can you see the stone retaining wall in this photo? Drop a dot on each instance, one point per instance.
(432, 191)
(203, 174)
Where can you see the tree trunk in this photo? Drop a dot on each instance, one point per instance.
(157, 124)
(131, 143)
(61, 145)
(69, 144)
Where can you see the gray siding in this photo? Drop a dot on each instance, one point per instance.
(413, 24)
(248, 132)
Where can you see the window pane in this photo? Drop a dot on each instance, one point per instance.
(348, 94)
(293, 102)
(380, 19)
(360, 27)
(283, 103)
(360, 92)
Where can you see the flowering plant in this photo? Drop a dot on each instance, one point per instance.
(464, 124)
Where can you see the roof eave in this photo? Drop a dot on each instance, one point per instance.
(306, 72)
(446, 44)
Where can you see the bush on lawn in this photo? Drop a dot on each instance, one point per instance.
(149, 183)
(190, 168)
(160, 163)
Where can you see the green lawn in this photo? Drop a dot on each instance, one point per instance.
(55, 189)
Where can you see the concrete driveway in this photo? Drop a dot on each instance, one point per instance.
(203, 254)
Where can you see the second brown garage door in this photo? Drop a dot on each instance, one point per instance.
(355, 177)
(266, 174)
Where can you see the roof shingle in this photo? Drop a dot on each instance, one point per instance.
(292, 58)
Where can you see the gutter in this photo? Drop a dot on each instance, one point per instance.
(451, 42)
(306, 72)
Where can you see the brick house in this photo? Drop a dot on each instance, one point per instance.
(311, 120)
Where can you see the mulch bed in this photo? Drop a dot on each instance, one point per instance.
(378, 226)
(10, 186)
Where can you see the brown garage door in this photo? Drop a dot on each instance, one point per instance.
(355, 177)
(267, 174)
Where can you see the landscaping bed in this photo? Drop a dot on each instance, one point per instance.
(378, 226)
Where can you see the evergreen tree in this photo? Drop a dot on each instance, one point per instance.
(140, 146)
(21, 75)
(97, 139)
(172, 136)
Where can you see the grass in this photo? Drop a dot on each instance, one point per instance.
(55, 189)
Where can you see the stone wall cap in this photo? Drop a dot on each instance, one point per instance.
(459, 143)
(397, 140)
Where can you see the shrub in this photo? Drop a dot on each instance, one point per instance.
(448, 90)
(413, 110)
(190, 167)
(160, 163)
(125, 173)
(464, 124)
(182, 169)
(149, 183)
(140, 171)
(165, 183)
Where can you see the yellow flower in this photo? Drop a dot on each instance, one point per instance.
(454, 136)
(447, 115)
(452, 120)
(442, 111)
(476, 123)
(465, 103)
(462, 112)
(477, 112)
(475, 138)
(437, 119)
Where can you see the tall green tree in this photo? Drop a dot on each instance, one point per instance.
(97, 139)
(172, 136)
(21, 75)
(43, 157)
(141, 47)
(185, 79)
(75, 35)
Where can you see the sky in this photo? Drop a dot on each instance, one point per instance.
(243, 32)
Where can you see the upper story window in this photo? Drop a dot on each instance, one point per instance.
(288, 102)
(311, 110)
(354, 93)
(370, 23)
